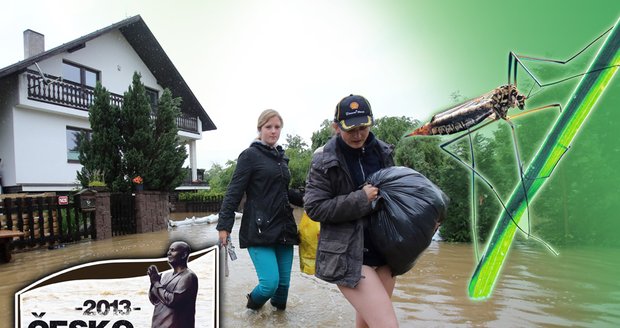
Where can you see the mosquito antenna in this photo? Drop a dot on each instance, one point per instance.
(533, 93)
(529, 93)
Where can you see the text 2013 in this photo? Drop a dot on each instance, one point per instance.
(103, 307)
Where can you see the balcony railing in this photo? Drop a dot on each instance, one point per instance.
(77, 96)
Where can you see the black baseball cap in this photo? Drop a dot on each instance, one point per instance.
(353, 111)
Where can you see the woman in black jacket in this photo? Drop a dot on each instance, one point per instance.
(268, 228)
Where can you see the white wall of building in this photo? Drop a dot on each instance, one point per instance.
(42, 151)
(8, 96)
(33, 144)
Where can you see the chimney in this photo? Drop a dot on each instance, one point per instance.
(34, 43)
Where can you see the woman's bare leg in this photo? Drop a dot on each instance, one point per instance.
(385, 274)
(371, 298)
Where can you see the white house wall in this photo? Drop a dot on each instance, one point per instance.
(8, 98)
(41, 151)
(39, 129)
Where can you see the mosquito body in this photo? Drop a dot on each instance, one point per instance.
(493, 105)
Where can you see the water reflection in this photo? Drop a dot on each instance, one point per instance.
(580, 287)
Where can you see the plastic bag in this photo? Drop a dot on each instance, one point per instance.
(308, 241)
(408, 208)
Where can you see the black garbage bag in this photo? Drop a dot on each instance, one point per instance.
(408, 207)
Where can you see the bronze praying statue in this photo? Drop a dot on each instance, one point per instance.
(174, 293)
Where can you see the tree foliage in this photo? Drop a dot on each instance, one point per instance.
(100, 154)
(320, 137)
(166, 170)
(392, 129)
(299, 160)
(218, 177)
(137, 128)
(131, 141)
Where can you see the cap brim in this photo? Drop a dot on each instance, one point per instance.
(355, 122)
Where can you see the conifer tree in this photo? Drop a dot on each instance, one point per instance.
(100, 154)
(129, 141)
(137, 129)
(166, 170)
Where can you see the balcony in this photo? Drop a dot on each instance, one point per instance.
(77, 96)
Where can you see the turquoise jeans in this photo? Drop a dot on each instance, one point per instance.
(273, 268)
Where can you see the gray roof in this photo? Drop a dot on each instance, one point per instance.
(139, 36)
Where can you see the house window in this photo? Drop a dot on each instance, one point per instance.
(153, 97)
(79, 74)
(73, 151)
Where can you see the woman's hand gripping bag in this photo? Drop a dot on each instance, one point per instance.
(408, 209)
(308, 241)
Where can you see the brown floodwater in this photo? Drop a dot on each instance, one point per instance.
(578, 288)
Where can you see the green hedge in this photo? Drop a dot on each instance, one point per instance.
(199, 196)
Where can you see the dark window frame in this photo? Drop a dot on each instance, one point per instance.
(83, 69)
(69, 150)
(153, 97)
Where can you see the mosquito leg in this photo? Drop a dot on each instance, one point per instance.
(512, 66)
(524, 188)
(529, 112)
(487, 183)
(475, 173)
(449, 142)
(520, 166)
(574, 56)
(474, 224)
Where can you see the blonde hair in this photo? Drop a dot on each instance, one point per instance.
(266, 115)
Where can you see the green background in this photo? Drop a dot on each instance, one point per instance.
(470, 43)
(467, 46)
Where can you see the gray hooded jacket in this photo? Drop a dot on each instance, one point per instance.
(332, 199)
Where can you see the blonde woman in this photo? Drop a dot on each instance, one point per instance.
(268, 228)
